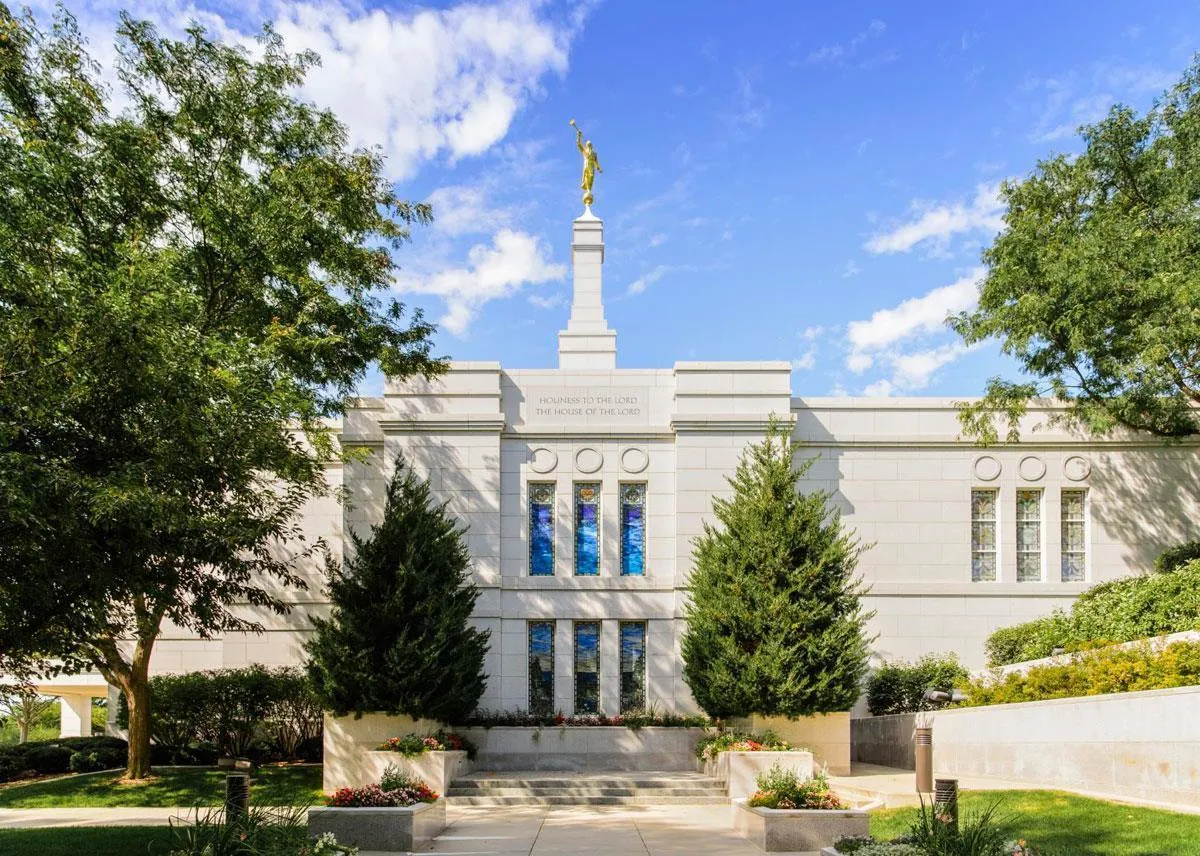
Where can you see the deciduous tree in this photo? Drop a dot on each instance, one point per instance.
(189, 288)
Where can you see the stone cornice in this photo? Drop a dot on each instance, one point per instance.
(717, 424)
(443, 423)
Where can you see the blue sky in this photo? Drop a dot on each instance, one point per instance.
(797, 181)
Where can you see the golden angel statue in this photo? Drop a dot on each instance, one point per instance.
(591, 165)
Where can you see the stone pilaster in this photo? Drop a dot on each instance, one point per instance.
(587, 343)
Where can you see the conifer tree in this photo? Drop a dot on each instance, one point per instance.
(774, 624)
(399, 639)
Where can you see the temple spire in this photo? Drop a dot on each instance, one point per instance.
(587, 343)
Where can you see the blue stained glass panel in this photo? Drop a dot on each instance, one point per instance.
(633, 666)
(587, 530)
(541, 530)
(633, 530)
(541, 667)
(587, 667)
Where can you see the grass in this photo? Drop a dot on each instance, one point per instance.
(1067, 825)
(185, 787)
(93, 841)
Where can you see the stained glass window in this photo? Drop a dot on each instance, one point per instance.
(587, 530)
(633, 665)
(983, 536)
(587, 666)
(1074, 536)
(1029, 536)
(633, 530)
(541, 667)
(541, 530)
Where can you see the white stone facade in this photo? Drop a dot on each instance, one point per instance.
(897, 469)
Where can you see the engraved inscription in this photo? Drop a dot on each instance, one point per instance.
(574, 404)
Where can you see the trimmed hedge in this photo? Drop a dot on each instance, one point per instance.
(1176, 557)
(1119, 611)
(49, 757)
(899, 686)
(255, 712)
(1109, 670)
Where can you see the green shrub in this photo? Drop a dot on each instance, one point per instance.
(899, 687)
(1173, 558)
(98, 758)
(263, 831)
(889, 848)
(1118, 611)
(255, 711)
(977, 834)
(784, 789)
(49, 759)
(1107, 670)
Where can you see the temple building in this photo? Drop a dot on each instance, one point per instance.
(584, 485)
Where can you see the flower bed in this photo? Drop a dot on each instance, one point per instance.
(398, 814)
(789, 812)
(396, 788)
(634, 720)
(731, 741)
(411, 745)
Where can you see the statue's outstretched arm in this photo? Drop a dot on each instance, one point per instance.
(597, 162)
(579, 140)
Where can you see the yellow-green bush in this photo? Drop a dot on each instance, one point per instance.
(1108, 670)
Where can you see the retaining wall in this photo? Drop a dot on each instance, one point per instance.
(885, 740)
(598, 748)
(1139, 746)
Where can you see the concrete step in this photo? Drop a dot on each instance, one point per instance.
(584, 800)
(581, 791)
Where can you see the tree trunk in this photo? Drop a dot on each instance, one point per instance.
(137, 697)
(23, 731)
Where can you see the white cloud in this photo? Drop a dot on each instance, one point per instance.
(937, 223)
(842, 51)
(914, 371)
(514, 260)
(658, 240)
(915, 316)
(419, 83)
(552, 301)
(1084, 95)
(850, 269)
(810, 333)
(878, 389)
(859, 362)
(646, 280)
(806, 362)
(465, 210)
(727, 235)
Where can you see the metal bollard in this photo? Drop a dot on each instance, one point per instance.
(237, 796)
(923, 749)
(945, 802)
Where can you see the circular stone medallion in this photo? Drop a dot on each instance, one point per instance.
(634, 460)
(1076, 468)
(987, 467)
(588, 460)
(1031, 468)
(542, 460)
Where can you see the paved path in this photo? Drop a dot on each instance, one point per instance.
(16, 818)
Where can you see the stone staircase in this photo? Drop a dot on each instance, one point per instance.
(585, 789)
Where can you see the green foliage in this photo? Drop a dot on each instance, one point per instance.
(190, 289)
(399, 638)
(100, 758)
(774, 623)
(1174, 558)
(899, 687)
(264, 831)
(1118, 611)
(57, 756)
(868, 846)
(395, 779)
(234, 710)
(1091, 286)
(979, 833)
(1107, 670)
(784, 789)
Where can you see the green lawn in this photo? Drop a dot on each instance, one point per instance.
(297, 785)
(1068, 825)
(93, 841)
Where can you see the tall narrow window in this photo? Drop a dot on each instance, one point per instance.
(1074, 536)
(541, 667)
(983, 536)
(587, 530)
(633, 666)
(587, 666)
(633, 530)
(541, 530)
(1029, 536)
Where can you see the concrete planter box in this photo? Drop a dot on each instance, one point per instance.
(740, 770)
(584, 748)
(798, 830)
(436, 769)
(392, 830)
(352, 758)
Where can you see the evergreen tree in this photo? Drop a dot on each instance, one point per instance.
(774, 625)
(399, 639)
